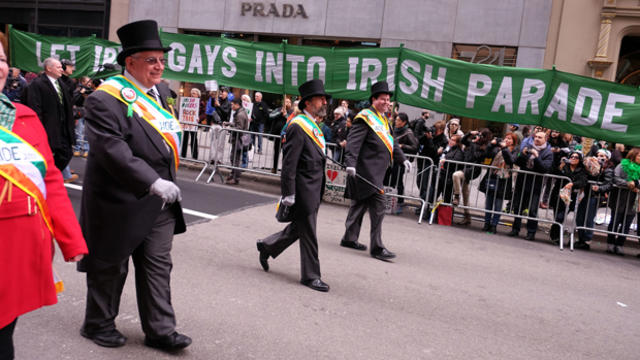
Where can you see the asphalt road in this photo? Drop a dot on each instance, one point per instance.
(452, 293)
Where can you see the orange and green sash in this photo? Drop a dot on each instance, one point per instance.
(23, 166)
(148, 109)
(378, 123)
(311, 128)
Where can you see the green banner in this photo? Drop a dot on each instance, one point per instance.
(554, 99)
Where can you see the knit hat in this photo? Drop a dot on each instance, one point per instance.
(606, 153)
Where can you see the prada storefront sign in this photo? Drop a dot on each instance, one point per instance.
(265, 9)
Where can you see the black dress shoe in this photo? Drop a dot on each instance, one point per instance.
(383, 254)
(532, 236)
(353, 245)
(264, 257)
(316, 284)
(174, 341)
(513, 233)
(109, 338)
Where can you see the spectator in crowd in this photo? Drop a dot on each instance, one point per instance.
(565, 193)
(526, 132)
(538, 158)
(560, 150)
(277, 123)
(339, 131)
(26, 246)
(240, 122)
(193, 134)
(453, 128)
(454, 152)
(68, 67)
(570, 141)
(348, 113)
(622, 200)
(210, 110)
(496, 184)
(15, 85)
(617, 151)
(409, 144)
(259, 117)
(515, 129)
(51, 101)
(420, 124)
(432, 144)
(528, 141)
(599, 185)
(84, 89)
(476, 144)
(222, 105)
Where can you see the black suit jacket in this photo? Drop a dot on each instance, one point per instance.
(302, 170)
(56, 118)
(367, 153)
(127, 155)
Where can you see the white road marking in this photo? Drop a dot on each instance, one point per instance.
(186, 211)
(621, 304)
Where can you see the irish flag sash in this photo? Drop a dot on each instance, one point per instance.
(148, 109)
(379, 125)
(23, 166)
(311, 128)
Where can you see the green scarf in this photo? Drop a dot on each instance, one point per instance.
(7, 112)
(631, 168)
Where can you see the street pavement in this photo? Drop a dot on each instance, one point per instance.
(452, 293)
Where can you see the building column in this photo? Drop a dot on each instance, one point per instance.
(601, 61)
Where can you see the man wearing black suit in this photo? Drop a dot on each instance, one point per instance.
(370, 149)
(302, 182)
(51, 100)
(130, 202)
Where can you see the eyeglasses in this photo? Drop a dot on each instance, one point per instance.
(152, 60)
(574, 157)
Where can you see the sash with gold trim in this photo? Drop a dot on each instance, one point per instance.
(23, 166)
(311, 128)
(379, 125)
(148, 109)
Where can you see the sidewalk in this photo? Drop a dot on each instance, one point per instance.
(452, 293)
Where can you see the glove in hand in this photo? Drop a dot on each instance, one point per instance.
(351, 171)
(289, 200)
(167, 190)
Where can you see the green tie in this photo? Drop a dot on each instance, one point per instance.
(58, 90)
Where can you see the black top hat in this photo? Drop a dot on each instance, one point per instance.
(139, 36)
(381, 87)
(310, 89)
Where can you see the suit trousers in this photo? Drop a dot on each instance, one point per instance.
(302, 227)
(6, 341)
(375, 205)
(152, 262)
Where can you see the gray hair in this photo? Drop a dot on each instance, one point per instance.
(49, 62)
(197, 91)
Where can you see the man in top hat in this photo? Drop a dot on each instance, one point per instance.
(370, 149)
(302, 182)
(130, 202)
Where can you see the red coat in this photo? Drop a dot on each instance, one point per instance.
(26, 246)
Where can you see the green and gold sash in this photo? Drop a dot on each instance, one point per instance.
(148, 109)
(311, 128)
(378, 123)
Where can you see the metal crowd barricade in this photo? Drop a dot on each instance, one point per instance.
(196, 143)
(226, 152)
(477, 199)
(599, 214)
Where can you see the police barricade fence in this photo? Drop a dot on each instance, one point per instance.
(196, 144)
(501, 186)
(612, 212)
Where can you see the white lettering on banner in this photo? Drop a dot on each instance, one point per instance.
(428, 82)
(412, 86)
(474, 90)
(73, 49)
(55, 48)
(196, 60)
(353, 66)
(294, 60)
(559, 103)
(177, 57)
(529, 97)
(273, 67)
(391, 73)
(229, 71)
(12, 153)
(259, 56)
(504, 97)
(38, 54)
(110, 55)
(369, 73)
(596, 101)
(611, 111)
(211, 57)
(96, 60)
(322, 67)
(53, 51)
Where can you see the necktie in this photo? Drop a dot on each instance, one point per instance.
(58, 90)
(153, 94)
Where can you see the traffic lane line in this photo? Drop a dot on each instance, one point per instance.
(186, 211)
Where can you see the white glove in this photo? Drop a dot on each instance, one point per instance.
(167, 190)
(407, 165)
(351, 171)
(289, 200)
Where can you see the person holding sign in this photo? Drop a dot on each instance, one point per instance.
(370, 150)
(130, 202)
(34, 210)
(303, 163)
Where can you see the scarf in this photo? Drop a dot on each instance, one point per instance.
(7, 112)
(498, 161)
(631, 169)
(531, 157)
